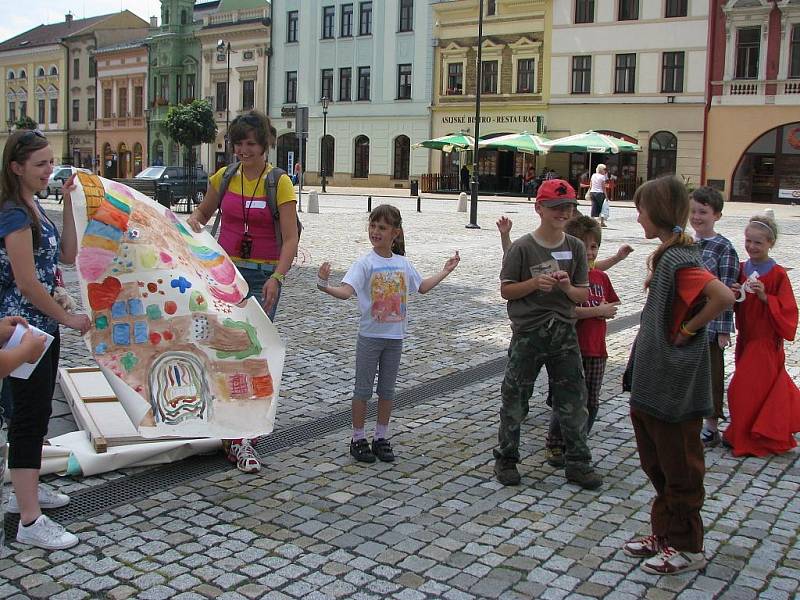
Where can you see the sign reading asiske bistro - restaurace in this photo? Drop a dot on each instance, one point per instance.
(466, 119)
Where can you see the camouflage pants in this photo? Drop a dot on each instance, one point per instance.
(555, 346)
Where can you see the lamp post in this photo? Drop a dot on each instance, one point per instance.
(147, 125)
(223, 46)
(473, 203)
(324, 153)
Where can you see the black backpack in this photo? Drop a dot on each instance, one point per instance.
(270, 186)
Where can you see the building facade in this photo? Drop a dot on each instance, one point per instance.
(121, 123)
(373, 62)
(752, 150)
(514, 83)
(637, 70)
(235, 49)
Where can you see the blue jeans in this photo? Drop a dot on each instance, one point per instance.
(256, 278)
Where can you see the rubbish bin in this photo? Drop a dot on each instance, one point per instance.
(164, 195)
(415, 187)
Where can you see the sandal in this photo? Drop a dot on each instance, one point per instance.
(243, 455)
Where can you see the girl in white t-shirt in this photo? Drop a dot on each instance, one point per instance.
(382, 280)
(597, 190)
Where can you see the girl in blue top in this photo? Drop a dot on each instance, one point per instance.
(382, 280)
(30, 247)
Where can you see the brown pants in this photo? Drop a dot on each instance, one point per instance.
(671, 455)
(717, 356)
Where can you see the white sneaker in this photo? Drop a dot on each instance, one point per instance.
(46, 534)
(47, 499)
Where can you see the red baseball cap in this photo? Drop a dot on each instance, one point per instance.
(555, 192)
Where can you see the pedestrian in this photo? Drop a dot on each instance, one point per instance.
(591, 329)
(258, 229)
(721, 260)
(381, 280)
(544, 275)
(763, 399)
(298, 170)
(597, 190)
(530, 182)
(670, 381)
(30, 248)
(464, 174)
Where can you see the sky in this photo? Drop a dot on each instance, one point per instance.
(17, 18)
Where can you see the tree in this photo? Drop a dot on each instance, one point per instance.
(191, 125)
(25, 122)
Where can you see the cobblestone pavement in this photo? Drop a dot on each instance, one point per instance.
(314, 524)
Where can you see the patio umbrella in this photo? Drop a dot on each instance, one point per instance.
(525, 142)
(591, 142)
(448, 143)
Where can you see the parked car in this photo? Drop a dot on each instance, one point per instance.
(170, 185)
(57, 178)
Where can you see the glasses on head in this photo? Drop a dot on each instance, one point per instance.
(28, 137)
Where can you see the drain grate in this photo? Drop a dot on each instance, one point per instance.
(104, 497)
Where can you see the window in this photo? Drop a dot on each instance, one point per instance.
(40, 106)
(107, 106)
(406, 15)
(54, 70)
(663, 155)
(11, 75)
(53, 110)
(178, 87)
(91, 109)
(363, 83)
(628, 10)
(92, 67)
(40, 72)
(165, 87)
(291, 87)
(326, 84)
(346, 24)
(404, 82)
(12, 111)
(248, 94)
(584, 11)
(23, 108)
(327, 155)
(625, 74)
(455, 79)
(361, 163)
(183, 17)
(402, 149)
(526, 76)
(672, 72)
(76, 68)
(190, 79)
(489, 77)
(328, 20)
(491, 8)
(581, 74)
(345, 83)
(794, 53)
(291, 26)
(122, 102)
(138, 100)
(76, 110)
(748, 42)
(365, 18)
(221, 100)
(676, 8)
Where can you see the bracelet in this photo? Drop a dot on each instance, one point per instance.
(685, 330)
(322, 283)
(280, 277)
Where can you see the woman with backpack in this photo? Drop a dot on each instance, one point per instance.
(258, 228)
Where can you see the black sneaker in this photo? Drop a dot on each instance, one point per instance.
(383, 450)
(506, 471)
(588, 479)
(361, 452)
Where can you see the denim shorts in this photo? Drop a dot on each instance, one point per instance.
(379, 355)
(256, 278)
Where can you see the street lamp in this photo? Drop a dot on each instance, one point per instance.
(473, 203)
(223, 46)
(324, 156)
(147, 124)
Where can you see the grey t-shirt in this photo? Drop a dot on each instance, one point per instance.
(527, 258)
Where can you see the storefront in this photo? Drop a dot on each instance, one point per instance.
(769, 170)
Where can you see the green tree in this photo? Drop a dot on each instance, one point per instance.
(191, 125)
(25, 122)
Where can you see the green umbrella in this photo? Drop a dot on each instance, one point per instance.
(593, 143)
(525, 142)
(448, 143)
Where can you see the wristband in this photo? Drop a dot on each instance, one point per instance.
(685, 330)
(321, 283)
(280, 277)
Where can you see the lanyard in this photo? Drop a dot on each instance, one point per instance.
(246, 206)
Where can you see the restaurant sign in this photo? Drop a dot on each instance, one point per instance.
(532, 122)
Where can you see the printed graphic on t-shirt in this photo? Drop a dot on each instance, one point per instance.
(548, 266)
(596, 295)
(389, 295)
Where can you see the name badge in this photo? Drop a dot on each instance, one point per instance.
(562, 255)
(256, 204)
(53, 241)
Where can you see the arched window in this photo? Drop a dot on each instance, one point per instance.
(40, 72)
(327, 149)
(10, 75)
(663, 154)
(22, 74)
(767, 170)
(361, 162)
(54, 70)
(137, 158)
(288, 144)
(157, 157)
(109, 162)
(402, 148)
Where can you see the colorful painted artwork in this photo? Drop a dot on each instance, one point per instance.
(389, 295)
(185, 353)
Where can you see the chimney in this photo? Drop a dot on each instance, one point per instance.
(153, 21)
(68, 17)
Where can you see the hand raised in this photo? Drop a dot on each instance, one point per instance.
(504, 225)
(324, 271)
(452, 262)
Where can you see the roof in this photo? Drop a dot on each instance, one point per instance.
(234, 5)
(45, 35)
(122, 46)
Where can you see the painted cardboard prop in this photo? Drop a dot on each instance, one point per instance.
(184, 353)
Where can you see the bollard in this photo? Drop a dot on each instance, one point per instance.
(419, 203)
(462, 202)
(369, 203)
(313, 202)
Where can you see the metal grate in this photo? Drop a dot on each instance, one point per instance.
(104, 497)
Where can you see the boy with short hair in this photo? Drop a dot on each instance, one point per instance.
(591, 329)
(544, 275)
(721, 260)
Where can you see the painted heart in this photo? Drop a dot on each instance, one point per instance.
(103, 295)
